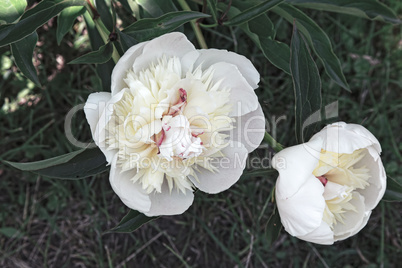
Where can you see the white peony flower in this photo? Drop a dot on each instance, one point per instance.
(328, 187)
(177, 118)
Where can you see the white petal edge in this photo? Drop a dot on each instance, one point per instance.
(131, 194)
(230, 168)
(169, 203)
(94, 107)
(353, 221)
(209, 57)
(242, 95)
(169, 45)
(378, 181)
(346, 138)
(249, 129)
(295, 166)
(323, 235)
(303, 212)
(124, 64)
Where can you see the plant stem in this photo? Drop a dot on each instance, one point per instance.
(194, 24)
(272, 142)
(104, 33)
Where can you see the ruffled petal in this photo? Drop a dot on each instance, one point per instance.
(124, 64)
(377, 181)
(242, 95)
(354, 221)
(209, 57)
(130, 193)
(169, 203)
(302, 213)
(230, 167)
(295, 166)
(170, 45)
(249, 129)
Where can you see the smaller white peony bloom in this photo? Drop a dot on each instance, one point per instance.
(177, 118)
(328, 187)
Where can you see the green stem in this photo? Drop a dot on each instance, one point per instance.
(104, 33)
(194, 24)
(272, 142)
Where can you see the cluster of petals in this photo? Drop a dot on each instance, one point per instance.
(177, 118)
(328, 186)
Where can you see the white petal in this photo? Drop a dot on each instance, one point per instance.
(230, 167)
(209, 57)
(354, 221)
(322, 235)
(131, 194)
(249, 129)
(166, 203)
(302, 213)
(124, 64)
(94, 107)
(100, 134)
(169, 45)
(378, 181)
(295, 166)
(346, 138)
(242, 95)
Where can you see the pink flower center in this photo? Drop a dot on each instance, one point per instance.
(323, 180)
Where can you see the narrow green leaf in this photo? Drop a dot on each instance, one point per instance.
(394, 191)
(33, 19)
(102, 55)
(75, 165)
(212, 4)
(66, 19)
(306, 84)
(104, 11)
(131, 222)
(126, 5)
(157, 8)
(370, 9)
(252, 12)
(317, 39)
(273, 227)
(11, 10)
(146, 29)
(126, 40)
(276, 52)
(104, 70)
(58, 160)
(10, 232)
(23, 54)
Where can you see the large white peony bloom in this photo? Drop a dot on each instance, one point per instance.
(177, 118)
(328, 187)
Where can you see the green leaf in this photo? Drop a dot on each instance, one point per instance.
(317, 39)
(394, 190)
(23, 53)
(252, 12)
(157, 8)
(66, 19)
(10, 232)
(102, 55)
(131, 222)
(75, 165)
(276, 52)
(273, 227)
(213, 7)
(146, 29)
(370, 9)
(306, 84)
(11, 10)
(105, 15)
(33, 19)
(104, 70)
(126, 40)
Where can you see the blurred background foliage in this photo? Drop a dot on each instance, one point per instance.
(56, 223)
